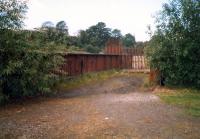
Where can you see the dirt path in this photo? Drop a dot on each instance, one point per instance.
(112, 109)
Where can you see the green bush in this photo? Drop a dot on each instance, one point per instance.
(26, 70)
(174, 49)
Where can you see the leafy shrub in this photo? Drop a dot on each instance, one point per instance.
(174, 49)
(26, 70)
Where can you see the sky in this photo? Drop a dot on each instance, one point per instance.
(129, 16)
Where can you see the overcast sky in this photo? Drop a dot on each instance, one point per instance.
(130, 16)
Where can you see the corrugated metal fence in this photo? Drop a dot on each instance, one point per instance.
(76, 64)
(115, 56)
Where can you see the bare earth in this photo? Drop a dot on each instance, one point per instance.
(111, 109)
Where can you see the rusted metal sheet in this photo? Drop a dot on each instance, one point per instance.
(113, 46)
(116, 57)
(76, 64)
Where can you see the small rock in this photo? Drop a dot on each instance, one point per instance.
(106, 118)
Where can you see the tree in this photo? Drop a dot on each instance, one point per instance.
(129, 40)
(82, 38)
(12, 13)
(174, 47)
(95, 36)
(61, 27)
(98, 34)
(49, 32)
(72, 41)
(57, 34)
(149, 31)
(47, 25)
(62, 32)
(116, 34)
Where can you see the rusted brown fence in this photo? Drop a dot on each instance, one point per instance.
(76, 64)
(114, 47)
(136, 54)
(115, 57)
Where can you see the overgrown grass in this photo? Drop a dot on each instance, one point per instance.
(189, 99)
(74, 82)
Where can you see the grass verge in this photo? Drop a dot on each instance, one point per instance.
(189, 99)
(74, 82)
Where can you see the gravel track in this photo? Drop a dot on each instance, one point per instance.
(113, 109)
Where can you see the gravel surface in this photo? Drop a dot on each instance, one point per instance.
(113, 109)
